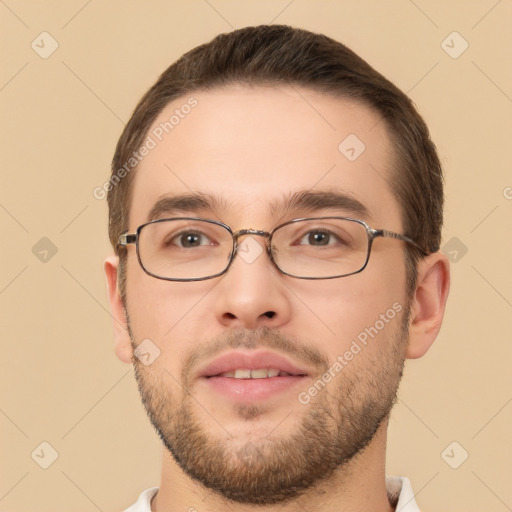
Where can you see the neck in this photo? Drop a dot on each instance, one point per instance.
(358, 486)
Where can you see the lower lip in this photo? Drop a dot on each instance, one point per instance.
(253, 389)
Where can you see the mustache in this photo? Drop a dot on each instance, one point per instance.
(261, 337)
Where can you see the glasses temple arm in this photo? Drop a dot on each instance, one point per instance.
(391, 234)
(127, 238)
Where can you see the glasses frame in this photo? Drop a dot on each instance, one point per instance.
(126, 239)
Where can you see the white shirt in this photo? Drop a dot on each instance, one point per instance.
(397, 487)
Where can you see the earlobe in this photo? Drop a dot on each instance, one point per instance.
(123, 346)
(428, 303)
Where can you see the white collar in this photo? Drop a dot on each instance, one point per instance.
(400, 490)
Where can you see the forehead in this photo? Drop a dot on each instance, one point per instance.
(252, 149)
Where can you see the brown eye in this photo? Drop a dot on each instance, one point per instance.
(318, 238)
(190, 239)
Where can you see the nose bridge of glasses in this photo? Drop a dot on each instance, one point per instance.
(254, 232)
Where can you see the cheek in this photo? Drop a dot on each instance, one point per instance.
(334, 313)
(164, 311)
(159, 312)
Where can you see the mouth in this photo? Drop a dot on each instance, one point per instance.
(260, 373)
(252, 376)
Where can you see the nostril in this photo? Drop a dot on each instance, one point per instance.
(231, 317)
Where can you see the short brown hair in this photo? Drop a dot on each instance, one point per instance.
(279, 54)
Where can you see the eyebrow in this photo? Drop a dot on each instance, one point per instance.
(302, 202)
(310, 202)
(185, 203)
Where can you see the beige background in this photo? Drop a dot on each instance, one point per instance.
(60, 119)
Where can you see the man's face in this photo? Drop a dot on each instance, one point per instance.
(251, 150)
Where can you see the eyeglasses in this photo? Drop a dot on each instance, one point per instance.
(193, 249)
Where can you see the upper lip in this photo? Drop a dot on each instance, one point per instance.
(231, 361)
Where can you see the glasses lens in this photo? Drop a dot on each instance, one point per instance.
(184, 248)
(320, 248)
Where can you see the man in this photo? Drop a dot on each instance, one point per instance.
(276, 211)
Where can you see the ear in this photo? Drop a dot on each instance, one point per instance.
(428, 303)
(123, 346)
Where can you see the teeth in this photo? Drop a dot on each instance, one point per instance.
(260, 373)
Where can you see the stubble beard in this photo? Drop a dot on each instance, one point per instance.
(331, 430)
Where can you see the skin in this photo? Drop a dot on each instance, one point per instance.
(289, 145)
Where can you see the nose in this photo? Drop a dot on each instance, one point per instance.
(252, 293)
